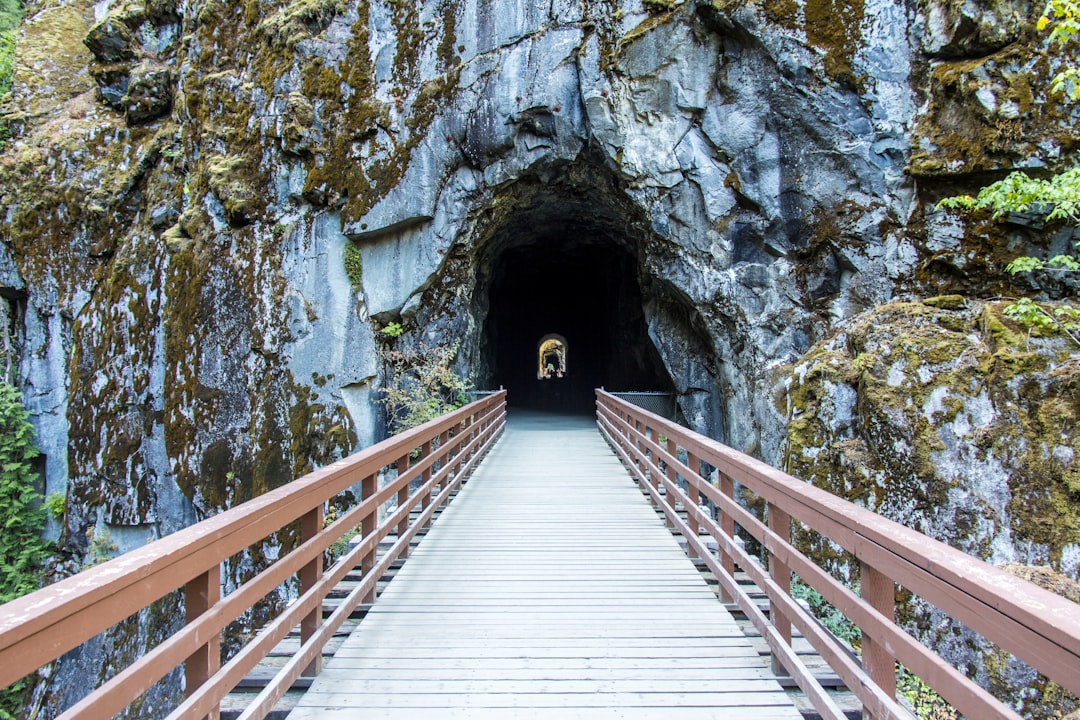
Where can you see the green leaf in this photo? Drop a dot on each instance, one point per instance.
(1063, 261)
(1023, 264)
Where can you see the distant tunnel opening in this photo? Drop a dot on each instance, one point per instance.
(566, 269)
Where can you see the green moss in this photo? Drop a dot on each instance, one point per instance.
(52, 60)
(297, 21)
(659, 6)
(835, 26)
(958, 134)
(947, 302)
(354, 265)
(410, 39)
(233, 182)
(914, 367)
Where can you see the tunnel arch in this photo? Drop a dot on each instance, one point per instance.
(551, 353)
(563, 254)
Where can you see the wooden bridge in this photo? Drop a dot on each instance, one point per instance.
(548, 588)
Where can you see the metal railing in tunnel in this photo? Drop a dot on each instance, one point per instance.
(38, 628)
(1037, 626)
(658, 403)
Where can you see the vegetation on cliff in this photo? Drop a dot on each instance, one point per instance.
(952, 418)
(23, 552)
(422, 385)
(1053, 198)
(22, 513)
(10, 17)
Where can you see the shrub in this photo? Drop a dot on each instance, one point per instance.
(422, 386)
(23, 552)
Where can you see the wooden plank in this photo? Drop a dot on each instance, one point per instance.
(542, 666)
(659, 701)
(379, 686)
(750, 656)
(702, 677)
(548, 713)
(549, 588)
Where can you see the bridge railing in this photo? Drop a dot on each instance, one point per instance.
(1033, 624)
(40, 627)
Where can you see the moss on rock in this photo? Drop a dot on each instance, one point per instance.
(922, 385)
(947, 417)
(994, 111)
(834, 26)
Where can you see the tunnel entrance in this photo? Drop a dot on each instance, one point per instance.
(557, 278)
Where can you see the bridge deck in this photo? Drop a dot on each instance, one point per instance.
(549, 589)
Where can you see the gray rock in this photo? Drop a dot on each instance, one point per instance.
(110, 40)
(149, 96)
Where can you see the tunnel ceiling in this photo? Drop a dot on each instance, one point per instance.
(565, 261)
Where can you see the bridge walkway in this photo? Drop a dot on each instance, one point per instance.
(548, 589)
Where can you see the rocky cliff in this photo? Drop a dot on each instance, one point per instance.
(212, 208)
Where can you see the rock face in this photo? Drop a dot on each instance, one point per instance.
(945, 416)
(693, 194)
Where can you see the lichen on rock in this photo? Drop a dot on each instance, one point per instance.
(946, 417)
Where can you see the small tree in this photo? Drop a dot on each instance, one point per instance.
(422, 385)
(22, 515)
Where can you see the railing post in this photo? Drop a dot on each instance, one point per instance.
(425, 451)
(471, 435)
(310, 525)
(878, 590)
(459, 445)
(402, 501)
(368, 488)
(727, 526)
(200, 594)
(444, 450)
(669, 445)
(692, 492)
(779, 523)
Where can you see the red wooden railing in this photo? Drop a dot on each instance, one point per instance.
(40, 627)
(1033, 624)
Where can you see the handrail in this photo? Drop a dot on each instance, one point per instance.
(1037, 626)
(38, 628)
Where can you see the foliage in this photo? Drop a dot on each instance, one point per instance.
(23, 552)
(832, 619)
(11, 12)
(1065, 317)
(422, 385)
(392, 330)
(1057, 197)
(927, 703)
(100, 548)
(56, 505)
(1065, 14)
(10, 17)
(13, 699)
(340, 546)
(354, 264)
(1054, 198)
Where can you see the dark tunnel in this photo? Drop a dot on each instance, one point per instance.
(560, 272)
